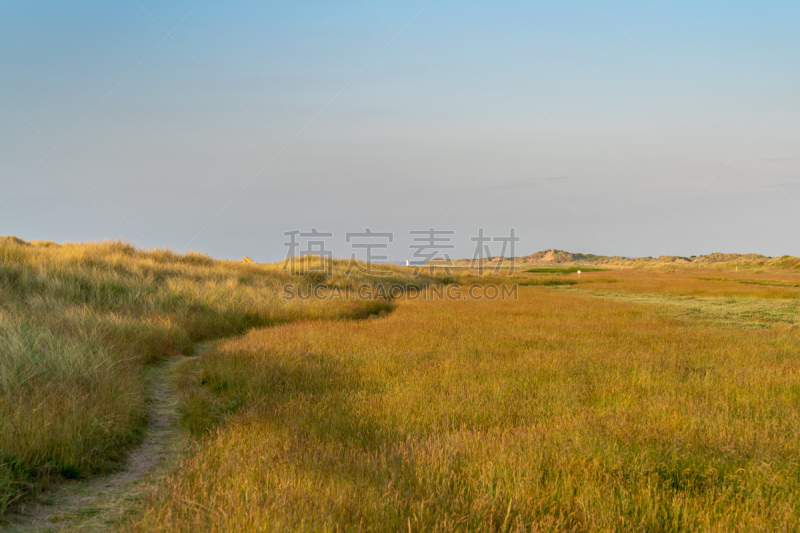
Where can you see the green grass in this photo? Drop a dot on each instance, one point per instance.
(741, 312)
(563, 270)
(764, 282)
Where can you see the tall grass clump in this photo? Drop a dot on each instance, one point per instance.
(80, 322)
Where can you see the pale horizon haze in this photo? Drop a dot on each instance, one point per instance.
(607, 127)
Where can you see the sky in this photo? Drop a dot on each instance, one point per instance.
(627, 128)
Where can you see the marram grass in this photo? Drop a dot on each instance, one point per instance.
(78, 324)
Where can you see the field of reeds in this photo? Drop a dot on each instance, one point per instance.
(620, 400)
(80, 323)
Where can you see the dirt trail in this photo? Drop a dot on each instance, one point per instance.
(98, 503)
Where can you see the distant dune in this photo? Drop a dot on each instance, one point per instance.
(717, 259)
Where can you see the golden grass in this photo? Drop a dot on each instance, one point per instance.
(78, 324)
(692, 283)
(560, 411)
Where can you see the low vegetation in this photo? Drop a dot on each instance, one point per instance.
(758, 313)
(560, 411)
(636, 399)
(688, 283)
(768, 282)
(563, 270)
(78, 325)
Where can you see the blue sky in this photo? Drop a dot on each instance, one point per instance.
(626, 128)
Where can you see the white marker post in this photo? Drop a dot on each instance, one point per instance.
(579, 273)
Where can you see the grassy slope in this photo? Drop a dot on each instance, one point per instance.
(78, 324)
(560, 411)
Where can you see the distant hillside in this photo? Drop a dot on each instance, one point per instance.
(719, 260)
(562, 257)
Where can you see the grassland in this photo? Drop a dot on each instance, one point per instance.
(560, 411)
(80, 323)
(635, 399)
(563, 269)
